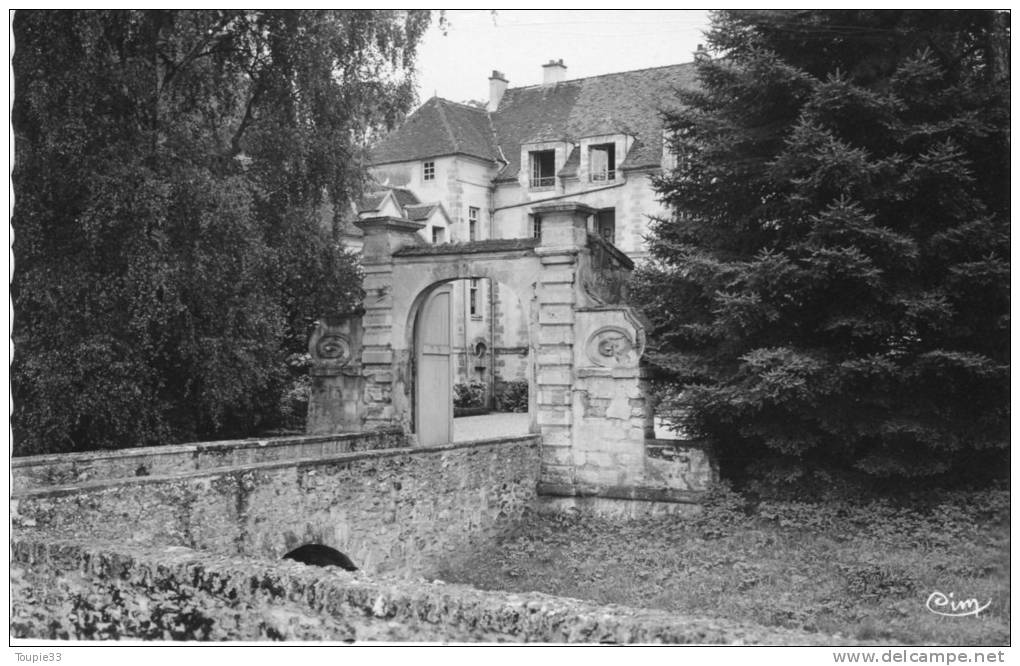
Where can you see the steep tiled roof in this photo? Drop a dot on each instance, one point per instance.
(420, 212)
(571, 165)
(373, 200)
(439, 127)
(620, 103)
(404, 197)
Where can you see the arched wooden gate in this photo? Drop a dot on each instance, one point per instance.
(433, 371)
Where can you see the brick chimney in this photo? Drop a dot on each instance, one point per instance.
(701, 54)
(553, 71)
(497, 86)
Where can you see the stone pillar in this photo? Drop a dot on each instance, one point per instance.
(335, 403)
(383, 237)
(609, 406)
(564, 234)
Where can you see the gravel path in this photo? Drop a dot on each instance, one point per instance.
(469, 428)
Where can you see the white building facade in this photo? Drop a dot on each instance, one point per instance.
(472, 174)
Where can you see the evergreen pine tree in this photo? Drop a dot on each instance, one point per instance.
(831, 289)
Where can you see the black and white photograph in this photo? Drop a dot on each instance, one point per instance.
(389, 328)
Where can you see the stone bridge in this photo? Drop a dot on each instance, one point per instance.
(389, 506)
(210, 521)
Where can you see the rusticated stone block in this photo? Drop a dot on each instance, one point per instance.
(555, 276)
(555, 355)
(560, 474)
(555, 375)
(557, 293)
(556, 435)
(557, 455)
(553, 396)
(377, 357)
(555, 314)
(555, 334)
(553, 416)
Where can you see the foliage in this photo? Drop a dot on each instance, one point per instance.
(293, 407)
(179, 181)
(199, 606)
(722, 512)
(830, 293)
(114, 610)
(512, 396)
(471, 394)
(859, 568)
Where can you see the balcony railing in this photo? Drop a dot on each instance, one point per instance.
(602, 176)
(543, 182)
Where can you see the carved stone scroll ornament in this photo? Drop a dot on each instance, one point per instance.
(329, 348)
(613, 347)
(334, 347)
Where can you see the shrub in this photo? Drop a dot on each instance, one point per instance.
(293, 405)
(512, 396)
(469, 395)
(722, 512)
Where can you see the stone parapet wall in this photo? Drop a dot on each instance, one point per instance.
(308, 603)
(76, 468)
(404, 510)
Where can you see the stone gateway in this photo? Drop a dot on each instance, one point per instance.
(390, 365)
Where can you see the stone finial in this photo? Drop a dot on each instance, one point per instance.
(385, 235)
(564, 224)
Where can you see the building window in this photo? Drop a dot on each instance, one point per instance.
(543, 169)
(536, 226)
(437, 235)
(675, 148)
(602, 162)
(472, 223)
(428, 170)
(473, 300)
(605, 225)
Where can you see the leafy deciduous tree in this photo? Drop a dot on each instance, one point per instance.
(171, 172)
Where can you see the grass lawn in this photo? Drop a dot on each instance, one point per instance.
(863, 570)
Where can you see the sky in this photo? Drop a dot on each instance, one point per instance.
(457, 65)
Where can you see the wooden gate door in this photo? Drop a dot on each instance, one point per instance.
(433, 384)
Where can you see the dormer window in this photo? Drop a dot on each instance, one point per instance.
(543, 169)
(602, 162)
(428, 170)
